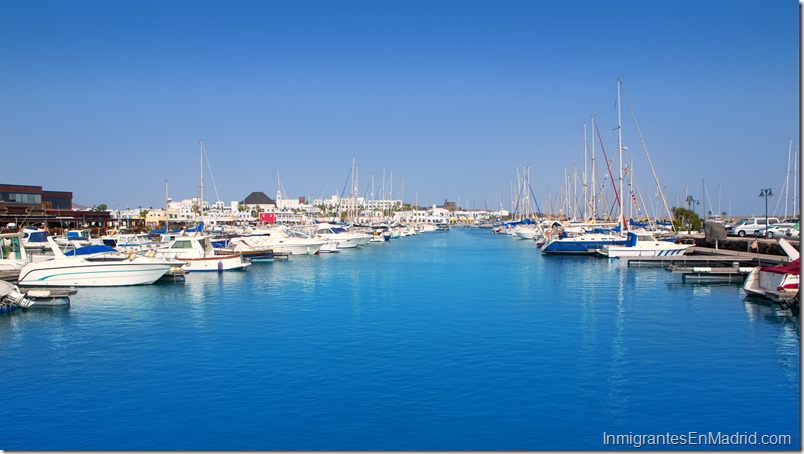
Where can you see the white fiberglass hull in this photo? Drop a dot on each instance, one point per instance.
(283, 245)
(623, 251)
(346, 241)
(72, 272)
(297, 247)
(774, 286)
(217, 263)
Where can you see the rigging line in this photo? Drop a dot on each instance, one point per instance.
(340, 199)
(209, 168)
(608, 166)
(539, 210)
(650, 163)
(708, 199)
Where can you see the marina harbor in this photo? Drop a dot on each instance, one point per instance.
(459, 325)
(401, 226)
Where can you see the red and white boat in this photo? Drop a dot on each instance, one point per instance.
(777, 283)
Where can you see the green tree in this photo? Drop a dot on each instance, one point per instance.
(101, 207)
(685, 219)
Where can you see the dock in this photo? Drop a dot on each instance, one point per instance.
(710, 265)
(730, 275)
(702, 256)
(9, 275)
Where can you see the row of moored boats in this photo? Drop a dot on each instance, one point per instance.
(124, 259)
(778, 283)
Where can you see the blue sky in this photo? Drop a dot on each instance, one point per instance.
(109, 99)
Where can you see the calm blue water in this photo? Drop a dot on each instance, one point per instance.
(460, 340)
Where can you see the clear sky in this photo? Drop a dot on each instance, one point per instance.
(108, 99)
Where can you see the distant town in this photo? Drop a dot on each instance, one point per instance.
(33, 205)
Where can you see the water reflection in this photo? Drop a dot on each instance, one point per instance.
(14, 323)
(761, 309)
(618, 382)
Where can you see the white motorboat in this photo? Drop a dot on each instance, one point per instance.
(13, 255)
(125, 242)
(281, 242)
(98, 269)
(338, 234)
(643, 244)
(199, 254)
(80, 237)
(34, 238)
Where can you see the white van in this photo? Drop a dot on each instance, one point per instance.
(749, 226)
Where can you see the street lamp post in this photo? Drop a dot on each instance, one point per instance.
(691, 202)
(766, 193)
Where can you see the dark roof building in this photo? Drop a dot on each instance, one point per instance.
(258, 198)
(28, 205)
(451, 206)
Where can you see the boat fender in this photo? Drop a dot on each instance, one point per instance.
(701, 269)
(220, 265)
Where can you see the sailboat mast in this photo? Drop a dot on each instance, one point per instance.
(201, 201)
(585, 213)
(620, 145)
(787, 178)
(631, 191)
(795, 182)
(594, 174)
(167, 204)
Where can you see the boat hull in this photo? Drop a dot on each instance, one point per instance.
(578, 247)
(54, 274)
(217, 263)
(297, 248)
(773, 286)
(621, 251)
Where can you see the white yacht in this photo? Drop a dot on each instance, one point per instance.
(341, 236)
(281, 241)
(199, 254)
(109, 268)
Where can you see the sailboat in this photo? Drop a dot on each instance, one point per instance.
(643, 244)
(588, 242)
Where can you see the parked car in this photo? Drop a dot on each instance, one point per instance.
(774, 230)
(793, 233)
(749, 226)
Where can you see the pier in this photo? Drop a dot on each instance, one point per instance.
(706, 264)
